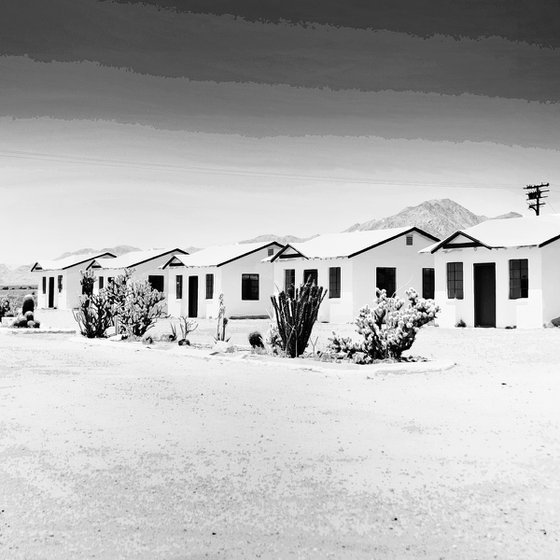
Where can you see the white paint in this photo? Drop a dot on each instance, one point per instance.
(358, 274)
(227, 280)
(541, 305)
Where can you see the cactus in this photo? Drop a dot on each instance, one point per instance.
(28, 304)
(256, 340)
(296, 313)
(222, 321)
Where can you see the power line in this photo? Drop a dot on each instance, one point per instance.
(535, 194)
(213, 170)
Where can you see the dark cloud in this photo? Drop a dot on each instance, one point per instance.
(205, 47)
(533, 21)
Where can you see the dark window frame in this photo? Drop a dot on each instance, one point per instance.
(156, 279)
(428, 283)
(101, 282)
(382, 270)
(455, 280)
(409, 240)
(314, 273)
(518, 278)
(250, 284)
(289, 279)
(44, 290)
(209, 283)
(335, 282)
(178, 286)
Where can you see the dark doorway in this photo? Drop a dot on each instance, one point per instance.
(51, 292)
(485, 295)
(193, 296)
(156, 282)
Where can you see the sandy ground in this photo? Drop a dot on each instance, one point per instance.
(112, 451)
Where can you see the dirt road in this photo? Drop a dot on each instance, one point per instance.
(114, 452)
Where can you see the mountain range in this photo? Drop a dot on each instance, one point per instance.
(440, 217)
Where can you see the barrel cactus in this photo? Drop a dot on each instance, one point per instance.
(28, 304)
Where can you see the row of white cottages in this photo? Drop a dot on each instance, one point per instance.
(501, 273)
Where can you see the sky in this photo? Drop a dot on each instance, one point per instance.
(167, 123)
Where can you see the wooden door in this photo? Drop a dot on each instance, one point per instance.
(485, 295)
(193, 296)
(51, 292)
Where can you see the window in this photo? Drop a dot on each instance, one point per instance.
(386, 279)
(110, 280)
(409, 240)
(101, 282)
(289, 280)
(178, 286)
(44, 284)
(209, 286)
(518, 278)
(334, 282)
(270, 251)
(249, 286)
(455, 280)
(428, 283)
(156, 282)
(311, 275)
(59, 283)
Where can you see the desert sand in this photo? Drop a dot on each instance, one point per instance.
(112, 450)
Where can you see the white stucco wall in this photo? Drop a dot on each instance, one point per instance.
(334, 310)
(207, 308)
(69, 297)
(521, 313)
(227, 280)
(394, 254)
(358, 275)
(551, 281)
(139, 272)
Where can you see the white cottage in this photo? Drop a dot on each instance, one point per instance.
(241, 272)
(500, 273)
(143, 265)
(351, 265)
(59, 280)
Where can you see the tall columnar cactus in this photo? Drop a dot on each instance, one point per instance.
(222, 321)
(296, 312)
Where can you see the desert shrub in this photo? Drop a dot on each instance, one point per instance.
(5, 308)
(140, 309)
(273, 340)
(187, 326)
(93, 315)
(256, 340)
(87, 281)
(296, 312)
(116, 291)
(388, 328)
(460, 324)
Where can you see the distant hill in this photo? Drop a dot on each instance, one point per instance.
(117, 250)
(439, 217)
(19, 275)
(282, 239)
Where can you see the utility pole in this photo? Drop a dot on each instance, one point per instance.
(535, 196)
